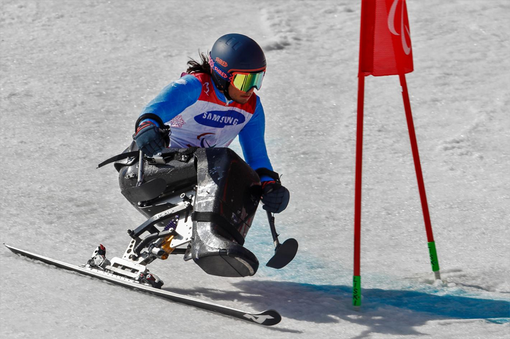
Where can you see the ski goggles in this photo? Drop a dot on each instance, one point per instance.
(246, 81)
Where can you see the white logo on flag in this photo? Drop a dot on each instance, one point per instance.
(403, 28)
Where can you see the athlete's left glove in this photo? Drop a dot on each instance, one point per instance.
(275, 197)
(150, 138)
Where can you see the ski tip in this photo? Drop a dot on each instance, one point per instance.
(14, 250)
(267, 318)
(273, 317)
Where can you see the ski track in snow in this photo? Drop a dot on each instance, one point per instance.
(74, 76)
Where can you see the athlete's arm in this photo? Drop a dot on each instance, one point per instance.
(252, 140)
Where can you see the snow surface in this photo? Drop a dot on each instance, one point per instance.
(74, 76)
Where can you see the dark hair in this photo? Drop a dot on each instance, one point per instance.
(196, 67)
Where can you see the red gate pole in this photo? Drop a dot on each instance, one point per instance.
(419, 177)
(356, 290)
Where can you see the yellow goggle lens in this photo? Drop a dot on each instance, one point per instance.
(246, 81)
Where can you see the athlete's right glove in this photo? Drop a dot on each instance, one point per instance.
(150, 138)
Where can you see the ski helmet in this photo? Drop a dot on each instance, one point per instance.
(234, 53)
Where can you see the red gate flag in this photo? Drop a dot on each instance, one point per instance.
(385, 44)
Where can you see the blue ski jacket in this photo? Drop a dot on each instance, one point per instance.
(199, 115)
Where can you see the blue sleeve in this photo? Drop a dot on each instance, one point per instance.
(252, 141)
(174, 98)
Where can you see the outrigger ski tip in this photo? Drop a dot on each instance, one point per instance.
(284, 253)
(266, 318)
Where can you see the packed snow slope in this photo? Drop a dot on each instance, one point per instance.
(74, 75)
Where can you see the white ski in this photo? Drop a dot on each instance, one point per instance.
(267, 318)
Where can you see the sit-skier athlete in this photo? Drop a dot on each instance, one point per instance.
(211, 104)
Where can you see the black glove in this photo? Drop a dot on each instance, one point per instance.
(274, 196)
(150, 138)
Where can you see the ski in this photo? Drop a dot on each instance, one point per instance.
(266, 318)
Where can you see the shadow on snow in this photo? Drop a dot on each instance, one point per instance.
(332, 303)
